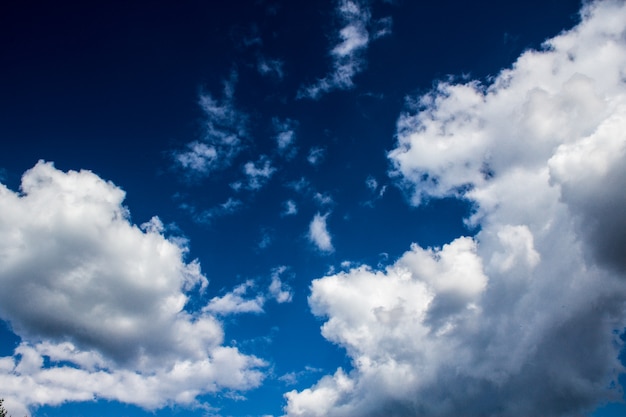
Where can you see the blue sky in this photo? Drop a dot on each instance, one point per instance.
(330, 208)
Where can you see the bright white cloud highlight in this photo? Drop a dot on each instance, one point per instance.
(81, 284)
(521, 319)
(347, 54)
(318, 233)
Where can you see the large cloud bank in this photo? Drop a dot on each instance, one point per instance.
(99, 302)
(523, 318)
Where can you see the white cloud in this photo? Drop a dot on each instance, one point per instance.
(521, 319)
(81, 284)
(271, 67)
(234, 301)
(318, 233)
(278, 290)
(258, 173)
(290, 208)
(347, 54)
(224, 132)
(316, 155)
(285, 136)
(323, 199)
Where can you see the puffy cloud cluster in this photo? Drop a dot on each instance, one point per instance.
(100, 303)
(521, 319)
(347, 55)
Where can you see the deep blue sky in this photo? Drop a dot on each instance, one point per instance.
(115, 88)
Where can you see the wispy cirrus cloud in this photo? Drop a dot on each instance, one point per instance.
(348, 54)
(285, 136)
(224, 132)
(524, 318)
(258, 173)
(270, 67)
(206, 216)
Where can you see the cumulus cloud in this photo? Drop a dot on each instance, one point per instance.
(234, 301)
(318, 233)
(101, 302)
(347, 55)
(222, 141)
(523, 318)
(279, 290)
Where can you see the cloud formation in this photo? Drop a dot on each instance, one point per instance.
(319, 235)
(224, 133)
(101, 302)
(279, 290)
(234, 301)
(347, 54)
(258, 173)
(285, 136)
(523, 318)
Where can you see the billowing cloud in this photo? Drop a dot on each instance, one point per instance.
(523, 318)
(224, 133)
(318, 233)
(347, 54)
(99, 302)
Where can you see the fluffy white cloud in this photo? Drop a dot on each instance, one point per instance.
(522, 318)
(347, 54)
(234, 301)
(224, 132)
(81, 284)
(280, 291)
(318, 233)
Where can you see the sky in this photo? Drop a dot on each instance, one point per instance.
(326, 208)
